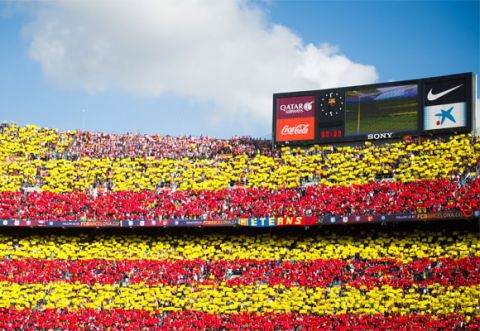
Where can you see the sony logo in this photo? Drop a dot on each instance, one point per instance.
(380, 135)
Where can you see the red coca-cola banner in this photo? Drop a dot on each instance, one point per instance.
(296, 107)
(296, 129)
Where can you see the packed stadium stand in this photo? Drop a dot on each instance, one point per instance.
(393, 277)
(54, 175)
(387, 279)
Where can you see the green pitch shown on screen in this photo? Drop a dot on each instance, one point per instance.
(371, 110)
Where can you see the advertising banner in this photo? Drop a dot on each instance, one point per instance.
(300, 221)
(132, 223)
(185, 223)
(99, 224)
(68, 223)
(17, 223)
(441, 215)
(219, 223)
(451, 115)
(443, 90)
(60, 224)
(253, 222)
(444, 215)
(445, 104)
(260, 222)
(162, 223)
(296, 129)
(302, 106)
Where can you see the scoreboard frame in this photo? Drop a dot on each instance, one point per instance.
(441, 105)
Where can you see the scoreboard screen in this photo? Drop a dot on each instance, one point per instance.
(393, 109)
(389, 110)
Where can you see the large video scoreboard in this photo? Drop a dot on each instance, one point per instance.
(379, 111)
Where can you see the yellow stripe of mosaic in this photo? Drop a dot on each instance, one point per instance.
(257, 298)
(403, 247)
(345, 166)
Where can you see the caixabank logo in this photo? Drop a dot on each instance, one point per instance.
(445, 104)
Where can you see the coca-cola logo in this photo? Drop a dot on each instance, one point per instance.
(295, 130)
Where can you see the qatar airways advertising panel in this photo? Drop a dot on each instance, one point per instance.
(295, 107)
(292, 129)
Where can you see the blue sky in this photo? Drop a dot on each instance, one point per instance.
(211, 69)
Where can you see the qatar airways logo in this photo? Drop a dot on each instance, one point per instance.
(297, 108)
(303, 106)
(295, 130)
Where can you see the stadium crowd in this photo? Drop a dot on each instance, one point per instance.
(385, 279)
(371, 280)
(121, 146)
(52, 175)
(379, 198)
(38, 159)
(35, 142)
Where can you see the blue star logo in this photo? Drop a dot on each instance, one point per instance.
(446, 114)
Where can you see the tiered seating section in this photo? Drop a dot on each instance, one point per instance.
(51, 175)
(381, 280)
(383, 198)
(367, 280)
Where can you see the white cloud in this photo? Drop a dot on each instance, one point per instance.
(219, 51)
